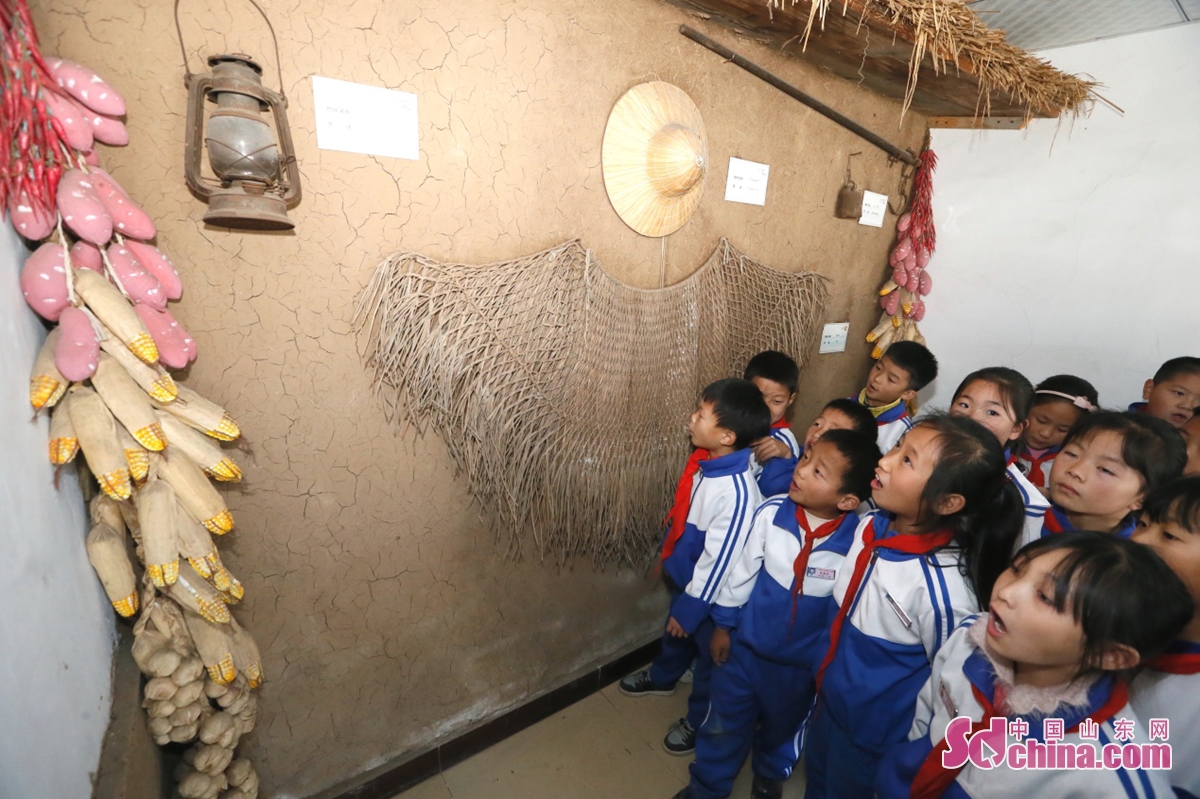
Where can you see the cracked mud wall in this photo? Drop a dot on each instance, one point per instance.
(386, 616)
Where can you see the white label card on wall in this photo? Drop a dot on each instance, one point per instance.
(747, 182)
(372, 120)
(874, 207)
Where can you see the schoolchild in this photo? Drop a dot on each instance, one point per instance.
(840, 414)
(1169, 687)
(706, 531)
(1173, 393)
(903, 370)
(777, 377)
(1190, 433)
(999, 398)
(1058, 403)
(1108, 464)
(945, 531)
(1041, 678)
(772, 619)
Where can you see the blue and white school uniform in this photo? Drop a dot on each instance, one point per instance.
(893, 421)
(1169, 688)
(906, 606)
(1035, 504)
(963, 683)
(1037, 467)
(775, 476)
(723, 499)
(779, 637)
(1055, 520)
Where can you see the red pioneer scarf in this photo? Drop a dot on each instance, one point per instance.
(677, 518)
(800, 564)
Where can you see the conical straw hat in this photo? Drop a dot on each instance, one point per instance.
(655, 156)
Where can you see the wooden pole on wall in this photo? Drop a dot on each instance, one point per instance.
(791, 91)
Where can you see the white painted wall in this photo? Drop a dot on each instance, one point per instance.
(1076, 248)
(56, 626)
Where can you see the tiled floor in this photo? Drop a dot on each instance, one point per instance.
(608, 746)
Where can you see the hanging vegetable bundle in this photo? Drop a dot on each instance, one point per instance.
(902, 295)
(102, 375)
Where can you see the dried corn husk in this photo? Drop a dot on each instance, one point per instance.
(212, 759)
(195, 493)
(154, 380)
(111, 308)
(250, 785)
(214, 642)
(249, 715)
(215, 689)
(200, 448)
(203, 414)
(156, 516)
(160, 689)
(64, 444)
(159, 726)
(97, 432)
(162, 663)
(193, 593)
(137, 457)
(106, 510)
(196, 544)
(145, 645)
(189, 671)
(246, 656)
(235, 793)
(195, 785)
(106, 552)
(185, 714)
(128, 403)
(46, 383)
(188, 693)
(183, 734)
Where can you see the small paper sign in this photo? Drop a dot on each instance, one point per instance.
(747, 182)
(372, 120)
(873, 209)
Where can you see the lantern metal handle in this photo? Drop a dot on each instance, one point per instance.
(187, 72)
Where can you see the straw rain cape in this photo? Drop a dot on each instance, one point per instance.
(562, 393)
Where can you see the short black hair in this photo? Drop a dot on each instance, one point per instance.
(862, 421)
(1014, 388)
(1176, 367)
(739, 408)
(1177, 501)
(1065, 384)
(916, 360)
(776, 367)
(1151, 447)
(862, 456)
(1118, 591)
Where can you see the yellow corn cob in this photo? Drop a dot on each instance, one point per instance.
(907, 298)
(154, 380)
(128, 403)
(46, 383)
(97, 433)
(196, 544)
(191, 591)
(106, 552)
(883, 342)
(246, 656)
(195, 493)
(156, 517)
(117, 314)
(136, 455)
(200, 448)
(214, 642)
(888, 288)
(203, 414)
(63, 441)
(885, 322)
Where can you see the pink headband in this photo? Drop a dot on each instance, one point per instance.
(1078, 402)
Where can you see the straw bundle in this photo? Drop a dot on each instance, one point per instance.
(954, 37)
(561, 393)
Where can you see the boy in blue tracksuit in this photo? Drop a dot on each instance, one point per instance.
(772, 619)
(706, 531)
(777, 377)
(903, 370)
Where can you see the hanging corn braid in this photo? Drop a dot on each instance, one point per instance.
(562, 393)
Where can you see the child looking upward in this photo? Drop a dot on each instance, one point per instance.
(1173, 393)
(706, 530)
(1169, 688)
(1058, 403)
(894, 380)
(999, 398)
(777, 605)
(840, 414)
(1108, 464)
(777, 377)
(945, 531)
(1066, 624)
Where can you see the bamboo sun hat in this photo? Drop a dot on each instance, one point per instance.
(654, 158)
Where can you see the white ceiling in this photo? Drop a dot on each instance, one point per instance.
(1040, 24)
